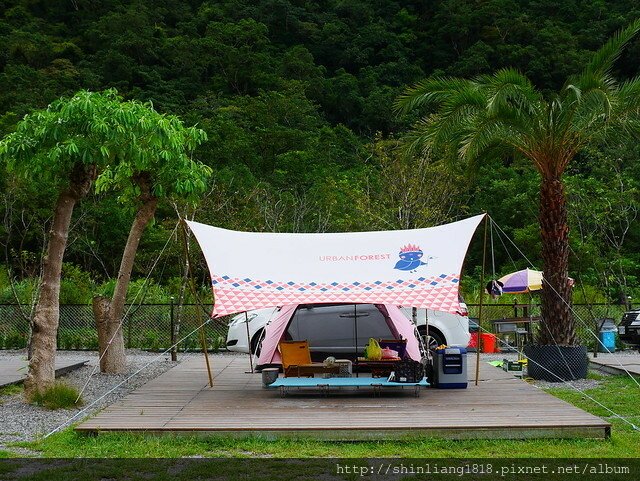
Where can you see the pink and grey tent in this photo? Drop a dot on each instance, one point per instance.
(399, 326)
(417, 267)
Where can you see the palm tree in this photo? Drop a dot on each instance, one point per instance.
(504, 114)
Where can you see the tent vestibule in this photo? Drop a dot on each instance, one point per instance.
(399, 325)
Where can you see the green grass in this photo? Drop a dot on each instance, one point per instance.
(58, 396)
(11, 390)
(71, 444)
(597, 376)
(620, 394)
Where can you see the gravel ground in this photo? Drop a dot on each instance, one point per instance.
(581, 384)
(20, 421)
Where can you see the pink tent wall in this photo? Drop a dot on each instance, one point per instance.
(400, 326)
(274, 330)
(404, 329)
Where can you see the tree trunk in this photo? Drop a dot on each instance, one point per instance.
(47, 312)
(109, 337)
(108, 314)
(557, 325)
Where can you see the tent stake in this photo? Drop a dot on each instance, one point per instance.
(246, 323)
(479, 342)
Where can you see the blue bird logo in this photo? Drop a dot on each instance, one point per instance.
(410, 258)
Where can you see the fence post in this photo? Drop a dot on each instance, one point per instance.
(129, 331)
(174, 353)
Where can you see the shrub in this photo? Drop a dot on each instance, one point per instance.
(76, 285)
(138, 291)
(151, 341)
(11, 390)
(13, 340)
(24, 290)
(59, 396)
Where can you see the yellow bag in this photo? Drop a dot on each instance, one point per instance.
(373, 351)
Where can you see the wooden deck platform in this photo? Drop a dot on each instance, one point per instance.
(612, 363)
(14, 370)
(501, 406)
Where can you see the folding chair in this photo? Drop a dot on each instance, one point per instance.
(296, 360)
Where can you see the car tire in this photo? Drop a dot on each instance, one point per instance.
(436, 338)
(256, 342)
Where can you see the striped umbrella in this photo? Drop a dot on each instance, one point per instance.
(523, 281)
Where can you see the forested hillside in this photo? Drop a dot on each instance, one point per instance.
(296, 98)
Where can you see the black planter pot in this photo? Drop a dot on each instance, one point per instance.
(557, 363)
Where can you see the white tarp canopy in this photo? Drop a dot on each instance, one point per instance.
(418, 267)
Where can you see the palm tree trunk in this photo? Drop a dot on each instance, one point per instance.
(108, 313)
(557, 325)
(47, 312)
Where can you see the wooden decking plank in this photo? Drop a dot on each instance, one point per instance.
(500, 406)
(14, 371)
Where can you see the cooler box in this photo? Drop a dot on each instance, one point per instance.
(450, 368)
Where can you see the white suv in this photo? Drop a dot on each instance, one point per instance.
(444, 328)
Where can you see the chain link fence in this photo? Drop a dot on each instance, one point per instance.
(588, 317)
(149, 326)
(146, 326)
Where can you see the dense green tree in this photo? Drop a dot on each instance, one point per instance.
(473, 118)
(334, 68)
(66, 146)
(158, 165)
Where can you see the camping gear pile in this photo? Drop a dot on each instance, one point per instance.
(405, 341)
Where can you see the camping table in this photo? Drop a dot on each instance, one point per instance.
(324, 385)
(383, 367)
(311, 369)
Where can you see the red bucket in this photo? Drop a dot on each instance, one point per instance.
(489, 343)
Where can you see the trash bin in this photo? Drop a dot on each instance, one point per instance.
(607, 335)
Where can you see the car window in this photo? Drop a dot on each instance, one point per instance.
(332, 328)
(371, 323)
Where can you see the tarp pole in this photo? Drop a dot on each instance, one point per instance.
(355, 329)
(484, 256)
(426, 330)
(246, 323)
(203, 341)
(192, 283)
